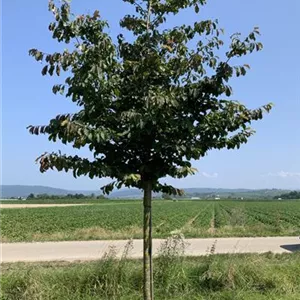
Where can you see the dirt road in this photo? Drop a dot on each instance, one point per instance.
(91, 250)
(40, 205)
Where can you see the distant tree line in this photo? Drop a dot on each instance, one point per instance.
(67, 196)
(291, 195)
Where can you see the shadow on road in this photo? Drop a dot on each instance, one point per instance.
(291, 248)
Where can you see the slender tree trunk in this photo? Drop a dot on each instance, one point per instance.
(148, 270)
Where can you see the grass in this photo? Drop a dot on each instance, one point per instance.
(122, 220)
(227, 277)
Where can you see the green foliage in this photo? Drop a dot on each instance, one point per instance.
(30, 196)
(147, 107)
(234, 277)
(291, 195)
(63, 197)
(121, 220)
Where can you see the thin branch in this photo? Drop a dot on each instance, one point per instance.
(159, 16)
(139, 6)
(148, 15)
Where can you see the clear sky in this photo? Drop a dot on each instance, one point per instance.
(271, 157)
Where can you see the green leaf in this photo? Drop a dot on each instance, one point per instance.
(98, 138)
(228, 91)
(38, 55)
(259, 46)
(44, 70)
(51, 70)
(57, 70)
(102, 135)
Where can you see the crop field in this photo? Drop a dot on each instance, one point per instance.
(122, 220)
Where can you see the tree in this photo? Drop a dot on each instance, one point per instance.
(30, 196)
(148, 105)
(290, 195)
(166, 196)
(42, 196)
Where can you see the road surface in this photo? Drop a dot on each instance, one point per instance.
(92, 250)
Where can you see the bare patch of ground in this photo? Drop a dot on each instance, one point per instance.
(40, 205)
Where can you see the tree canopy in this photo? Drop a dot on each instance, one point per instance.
(290, 195)
(147, 105)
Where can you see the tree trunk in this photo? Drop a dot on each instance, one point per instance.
(148, 270)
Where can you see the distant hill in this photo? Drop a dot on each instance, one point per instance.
(210, 193)
(235, 193)
(7, 191)
(127, 193)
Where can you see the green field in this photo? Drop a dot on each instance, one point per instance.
(218, 277)
(118, 220)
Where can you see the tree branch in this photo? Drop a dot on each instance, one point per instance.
(148, 15)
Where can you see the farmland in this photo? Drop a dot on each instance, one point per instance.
(122, 220)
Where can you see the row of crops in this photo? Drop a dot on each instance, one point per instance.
(191, 218)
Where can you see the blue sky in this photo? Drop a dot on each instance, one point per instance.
(271, 157)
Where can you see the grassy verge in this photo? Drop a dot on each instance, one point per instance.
(230, 277)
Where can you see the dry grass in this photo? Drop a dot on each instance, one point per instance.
(212, 228)
(92, 233)
(4, 240)
(190, 223)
